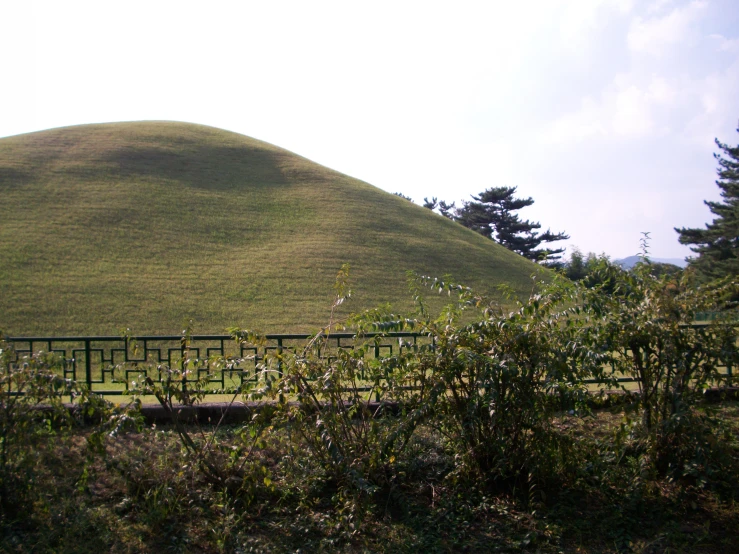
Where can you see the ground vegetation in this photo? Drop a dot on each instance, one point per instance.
(487, 438)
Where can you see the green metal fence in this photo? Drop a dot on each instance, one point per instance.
(109, 364)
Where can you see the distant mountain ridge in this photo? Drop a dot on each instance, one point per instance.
(631, 261)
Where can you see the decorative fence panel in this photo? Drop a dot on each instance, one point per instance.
(109, 364)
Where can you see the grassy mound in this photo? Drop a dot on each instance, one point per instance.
(146, 225)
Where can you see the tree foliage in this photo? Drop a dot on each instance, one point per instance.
(580, 266)
(644, 325)
(717, 245)
(403, 196)
(492, 214)
(445, 209)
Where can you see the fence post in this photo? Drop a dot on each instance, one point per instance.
(279, 357)
(184, 347)
(729, 373)
(279, 365)
(88, 364)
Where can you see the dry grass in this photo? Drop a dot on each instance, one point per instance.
(144, 496)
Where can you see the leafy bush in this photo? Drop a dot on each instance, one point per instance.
(496, 378)
(504, 376)
(32, 413)
(181, 387)
(342, 403)
(645, 328)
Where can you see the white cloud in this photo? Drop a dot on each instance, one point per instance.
(658, 34)
(661, 92)
(18, 44)
(716, 106)
(726, 44)
(639, 110)
(425, 98)
(575, 126)
(658, 6)
(631, 112)
(625, 108)
(581, 20)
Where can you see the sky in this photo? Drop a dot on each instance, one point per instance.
(603, 111)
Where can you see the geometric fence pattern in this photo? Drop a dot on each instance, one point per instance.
(108, 364)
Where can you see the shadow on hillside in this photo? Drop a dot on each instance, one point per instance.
(11, 177)
(202, 166)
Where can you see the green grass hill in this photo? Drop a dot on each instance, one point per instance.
(146, 225)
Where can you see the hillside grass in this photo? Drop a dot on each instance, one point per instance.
(148, 225)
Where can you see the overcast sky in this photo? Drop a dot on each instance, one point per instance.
(603, 111)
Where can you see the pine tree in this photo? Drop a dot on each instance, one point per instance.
(717, 245)
(491, 214)
(447, 210)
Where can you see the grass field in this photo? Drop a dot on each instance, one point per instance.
(148, 225)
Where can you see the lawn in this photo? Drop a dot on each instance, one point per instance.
(150, 225)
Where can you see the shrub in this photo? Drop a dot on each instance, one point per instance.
(496, 378)
(506, 374)
(342, 404)
(32, 413)
(645, 326)
(227, 468)
(31, 410)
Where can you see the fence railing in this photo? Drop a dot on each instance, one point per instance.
(109, 364)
